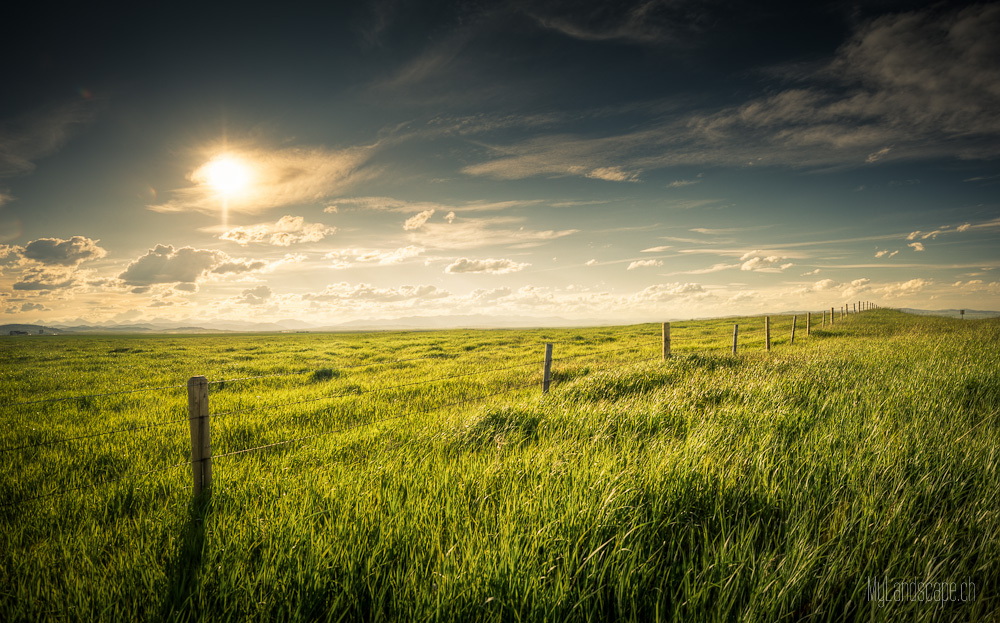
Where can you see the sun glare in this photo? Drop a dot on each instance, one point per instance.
(226, 174)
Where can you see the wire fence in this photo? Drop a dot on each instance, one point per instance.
(379, 396)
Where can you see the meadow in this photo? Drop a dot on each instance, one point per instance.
(423, 476)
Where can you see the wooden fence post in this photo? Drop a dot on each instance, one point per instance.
(792, 341)
(767, 333)
(666, 341)
(831, 316)
(547, 377)
(736, 333)
(201, 441)
(809, 321)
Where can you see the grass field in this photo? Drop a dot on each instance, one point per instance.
(758, 487)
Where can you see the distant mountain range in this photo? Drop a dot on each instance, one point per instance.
(471, 321)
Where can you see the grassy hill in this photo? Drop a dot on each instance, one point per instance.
(790, 485)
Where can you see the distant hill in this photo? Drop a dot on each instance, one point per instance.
(970, 314)
(30, 329)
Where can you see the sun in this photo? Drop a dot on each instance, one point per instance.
(227, 175)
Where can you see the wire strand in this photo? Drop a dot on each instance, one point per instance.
(373, 422)
(93, 484)
(91, 436)
(128, 391)
(370, 391)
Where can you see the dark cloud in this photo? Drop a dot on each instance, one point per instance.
(164, 264)
(63, 252)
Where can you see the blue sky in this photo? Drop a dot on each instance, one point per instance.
(627, 161)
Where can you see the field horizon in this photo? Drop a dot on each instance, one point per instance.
(424, 475)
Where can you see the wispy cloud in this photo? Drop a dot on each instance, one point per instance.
(276, 178)
(37, 134)
(644, 264)
(287, 231)
(905, 86)
(491, 266)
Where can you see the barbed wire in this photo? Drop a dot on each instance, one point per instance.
(372, 390)
(61, 492)
(374, 422)
(93, 435)
(127, 391)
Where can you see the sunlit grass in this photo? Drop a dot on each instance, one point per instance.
(760, 487)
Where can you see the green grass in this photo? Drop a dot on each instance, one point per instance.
(710, 487)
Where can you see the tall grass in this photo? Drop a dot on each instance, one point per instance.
(761, 487)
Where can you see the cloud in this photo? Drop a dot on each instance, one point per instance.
(682, 183)
(906, 86)
(824, 284)
(277, 178)
(646, 22)
(758, 261)
(288, 230)
(964, 227)
(38, 134)
(254, 296)
(28, 307)
(811, 272)
(613, 174)
(886, 253)
(666, 292)
(417, 220)
(472, 233)
(590, 263)
(655, 249)
(488, 296)
(345, 258)
(644, 264)
(450, 217)
(165, 265)
(491, 266)
(903, 289)
(343, 291)
(916, 246)
(56, 251)
(47, 278)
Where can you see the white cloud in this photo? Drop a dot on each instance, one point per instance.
(903, 289)
(644, 264)
(613, 174)
(916, 246)
(878, 155)
(288, 230)
(491, 266)
(417, 220)
(364, 292)
(758, 261)
(965, 227)
(254, 296)
(667, 291)
(824, 284)
(655, 249)
(886, 253)
(811, 272)
(450, 217)
(472, 233)
(277, 178)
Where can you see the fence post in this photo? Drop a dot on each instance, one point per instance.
(767, 333)
(666, 341)
(809, 321)
(736, 333)
(831, 316)
(201, 441)
(547, 377)
(792, 341)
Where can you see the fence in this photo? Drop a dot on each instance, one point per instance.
(200, 415)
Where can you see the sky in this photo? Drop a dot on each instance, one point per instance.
(623, 161)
